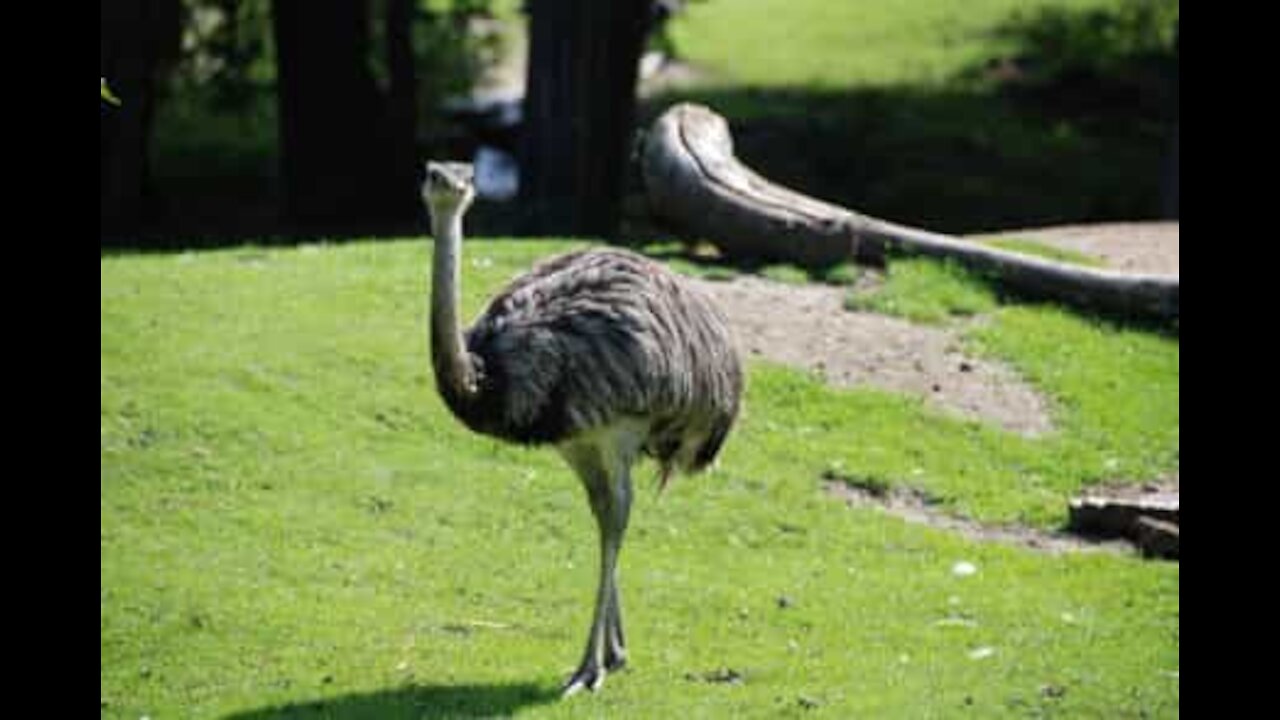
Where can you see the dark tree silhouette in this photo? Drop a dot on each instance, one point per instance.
(579, 113)
(138, 44)
(341, 145)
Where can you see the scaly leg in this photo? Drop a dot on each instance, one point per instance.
(615, 650)
(608, 486)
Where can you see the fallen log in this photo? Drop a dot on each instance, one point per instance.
(693, 180)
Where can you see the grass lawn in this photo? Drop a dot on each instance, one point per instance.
(891, 108)
(293, 526)
(819, 43)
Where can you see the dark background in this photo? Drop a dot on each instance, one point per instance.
(273, 120)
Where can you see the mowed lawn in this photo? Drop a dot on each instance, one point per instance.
(292, 525)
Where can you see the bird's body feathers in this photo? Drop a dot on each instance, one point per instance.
(601, 336)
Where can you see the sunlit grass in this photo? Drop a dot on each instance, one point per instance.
(292, 525)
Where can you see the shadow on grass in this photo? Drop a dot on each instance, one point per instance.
(415, 701)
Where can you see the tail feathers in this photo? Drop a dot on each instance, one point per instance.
(664, 476)
(710, 448)
(703, 457)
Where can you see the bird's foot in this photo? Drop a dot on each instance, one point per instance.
(615, 659)
(589, 676)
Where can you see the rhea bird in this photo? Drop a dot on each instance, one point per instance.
(602, 353)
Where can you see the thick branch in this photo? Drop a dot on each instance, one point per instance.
(694, 181)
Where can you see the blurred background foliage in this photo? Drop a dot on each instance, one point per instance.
(958, 117)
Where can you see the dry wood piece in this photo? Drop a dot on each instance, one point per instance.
(1150, 522)
(1113, 517)
(1156, 538)
(693, 180)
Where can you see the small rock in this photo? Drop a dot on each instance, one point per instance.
(963, 569)
(806, 702)
(724, 676)
(785, 602)
(1052, 691)
(981, 653)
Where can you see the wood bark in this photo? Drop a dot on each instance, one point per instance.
(402, 108)
(693, 181)
(138, 44)
(579, 113)
(335, 157)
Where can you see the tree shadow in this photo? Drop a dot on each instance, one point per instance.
(1073, 123)
(414, 701)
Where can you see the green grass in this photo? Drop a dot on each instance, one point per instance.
(925, 291)
(292, 525)
(878, 43)
(1037, 249)
(706, 263)
(784, 273)
(841, 274)
(889, 107)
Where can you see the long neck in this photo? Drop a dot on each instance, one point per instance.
(455, 374)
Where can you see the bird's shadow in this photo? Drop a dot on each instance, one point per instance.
(413, 701)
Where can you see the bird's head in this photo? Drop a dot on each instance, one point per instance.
(449, 187)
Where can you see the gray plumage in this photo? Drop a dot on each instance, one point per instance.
(598, 335)
(602, 353)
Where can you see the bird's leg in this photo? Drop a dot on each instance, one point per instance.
(615, 641)
(609, 492)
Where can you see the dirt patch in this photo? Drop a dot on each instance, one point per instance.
(806, 326)
(1147, 247)
(917, 506)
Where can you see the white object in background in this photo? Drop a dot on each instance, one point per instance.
(497, 176)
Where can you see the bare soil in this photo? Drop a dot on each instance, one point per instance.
(915, 506)
(806, 326)
(1145, 247)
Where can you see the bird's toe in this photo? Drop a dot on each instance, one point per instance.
(615, 659)
(589, 677)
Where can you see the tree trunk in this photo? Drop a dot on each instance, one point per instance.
(1169, 178)
(138, 45)
(402, 106)
(333, 154)
(1169, 175)
(693, 180)
(578, 114)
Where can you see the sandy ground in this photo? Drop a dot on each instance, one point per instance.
(1146, 247)
(807, 327)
